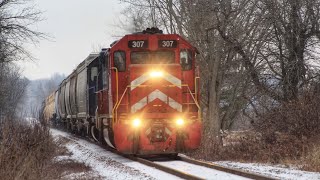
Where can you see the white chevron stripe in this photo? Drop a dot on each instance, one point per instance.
(140, 80)
(157, 94)
(172, 79)
(168, 131)
(139, 105)
(145, 77)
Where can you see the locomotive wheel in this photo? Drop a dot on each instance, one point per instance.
(72, 128)
(65, 124)
(69, 126)
(79, 128)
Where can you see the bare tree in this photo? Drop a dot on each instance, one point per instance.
(280, 36)
(254, 55)
(17, 18)
(165, 14)
(38, 90)
(295, 35)
(13, 87)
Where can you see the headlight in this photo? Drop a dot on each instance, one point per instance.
(156, 74)
(136, 122)
(180, 122)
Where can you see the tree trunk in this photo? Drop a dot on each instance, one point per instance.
(214, 120)
(214, 123)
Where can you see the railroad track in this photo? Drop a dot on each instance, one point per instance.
(225, 169)
(188, 176)
(182, 174)
(166, 169)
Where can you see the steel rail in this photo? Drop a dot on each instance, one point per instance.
(176, 172)
(146, 162)
(225, 169)
(138, 159)
(166, 169)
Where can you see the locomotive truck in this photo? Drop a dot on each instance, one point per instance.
(140, 96)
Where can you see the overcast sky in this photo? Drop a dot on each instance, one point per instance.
(78, 27)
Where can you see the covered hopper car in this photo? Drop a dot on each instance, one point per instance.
(49, 108)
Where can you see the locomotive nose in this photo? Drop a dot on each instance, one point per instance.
(155, 89)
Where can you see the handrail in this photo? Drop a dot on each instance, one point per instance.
(117, 83)
(115, 113)
(117, 95)
(195, 101)
(196, 87)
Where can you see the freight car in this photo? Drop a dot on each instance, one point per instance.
(49, 108)
(139, 96)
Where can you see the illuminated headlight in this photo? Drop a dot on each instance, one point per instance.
(156, 74)
(136, 122)
(180, 122)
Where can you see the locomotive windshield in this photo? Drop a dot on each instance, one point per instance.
(157, 57)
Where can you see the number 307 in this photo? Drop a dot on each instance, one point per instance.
(137, 44)
(167, 43)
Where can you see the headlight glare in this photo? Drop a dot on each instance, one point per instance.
(180, 122)
(156, 74)
(136, 122)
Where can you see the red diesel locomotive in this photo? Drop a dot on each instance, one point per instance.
(140, 96)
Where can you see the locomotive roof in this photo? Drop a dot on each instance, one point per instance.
(154, 31)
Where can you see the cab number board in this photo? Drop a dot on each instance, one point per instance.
(138, 44)
(167, 43)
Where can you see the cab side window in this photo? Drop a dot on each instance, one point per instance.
(186, 59)
(120, 60)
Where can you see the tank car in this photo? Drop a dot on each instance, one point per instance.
(140, 96)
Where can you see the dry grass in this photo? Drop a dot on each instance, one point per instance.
(312, 159)
(25, 150)
(28, 151)
(288, 134)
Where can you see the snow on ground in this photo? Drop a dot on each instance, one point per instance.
(112, 166)
(107, 164)
(203, 172)
(273, 171)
